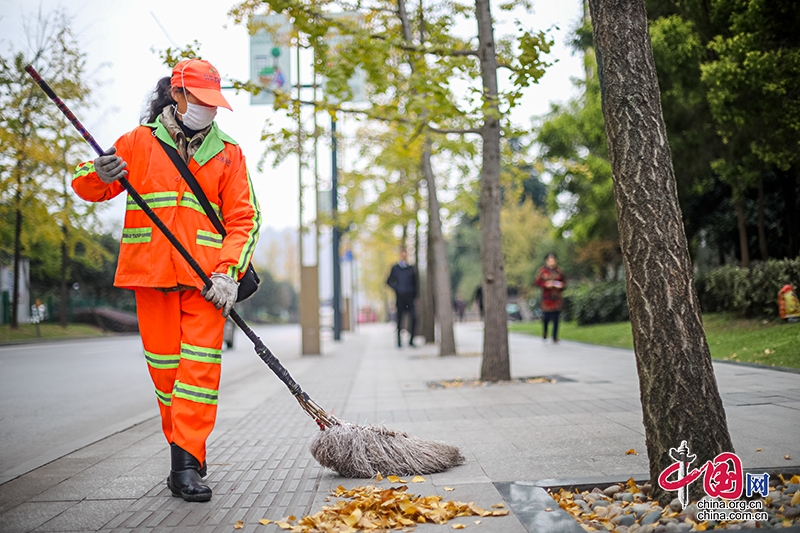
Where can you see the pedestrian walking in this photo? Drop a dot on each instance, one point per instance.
(552, 281)
(179, 318)
(403, 279)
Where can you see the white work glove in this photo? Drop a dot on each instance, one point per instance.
(110, 167)
(223, 292)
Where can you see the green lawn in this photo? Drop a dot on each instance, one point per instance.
(48, 331)
(766, 342)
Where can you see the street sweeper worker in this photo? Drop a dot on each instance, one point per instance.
(179, 319)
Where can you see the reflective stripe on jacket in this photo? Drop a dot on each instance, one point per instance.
(146, 257)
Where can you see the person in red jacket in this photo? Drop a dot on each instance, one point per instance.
(179, 319)
(552, 281)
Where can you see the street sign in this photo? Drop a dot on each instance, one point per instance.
(270, 61)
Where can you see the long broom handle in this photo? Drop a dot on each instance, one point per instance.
(262, 350)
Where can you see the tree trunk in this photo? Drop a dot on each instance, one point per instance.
(740, 220)
(17, 246)
(495, 365)
(437, 255)
(425, 325)
(62, 308)
(762, 232)
(788, 181)
(442, 294)
(680, 399)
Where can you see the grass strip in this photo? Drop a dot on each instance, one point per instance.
(28, 332)
(766, 342)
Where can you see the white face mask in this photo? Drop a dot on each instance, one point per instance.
(198, 117)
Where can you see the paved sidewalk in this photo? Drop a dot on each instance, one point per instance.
(259, 465)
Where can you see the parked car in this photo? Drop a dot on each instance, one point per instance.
(513, 311)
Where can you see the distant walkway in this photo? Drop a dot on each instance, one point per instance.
(259, 465)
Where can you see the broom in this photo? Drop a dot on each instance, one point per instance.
(350, 449)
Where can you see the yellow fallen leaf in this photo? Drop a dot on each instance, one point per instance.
(379, 477)
(283, 525)
(796, 497)
(264, 522)
(787, 523)
(549, 509)
(787, 457)
(795, 479)
(759, 449)
(449, 489)
(504, 512)
(631, 452)
(353, 518)
(498, 506)
(292, 518)
(395, 479)
(477, 522)
(702, 527)
(417, 479)
(238, 525)
(459, 526)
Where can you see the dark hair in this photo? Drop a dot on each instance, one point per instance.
(158, 99)
(551, 254)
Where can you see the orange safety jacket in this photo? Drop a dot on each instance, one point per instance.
(146, 257)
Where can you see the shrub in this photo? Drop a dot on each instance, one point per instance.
(747, 292)
(599, 303)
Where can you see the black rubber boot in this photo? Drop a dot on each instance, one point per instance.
(184, 478)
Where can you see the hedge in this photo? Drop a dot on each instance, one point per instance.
(744, 292)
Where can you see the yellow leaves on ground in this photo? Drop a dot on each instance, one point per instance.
(632, 452)
(449, 489)
(264, 521)
(238, 525)
(395, 479)
(369, 508)
(417, 479)
(796, 497)
(379, 477)
(787, 457)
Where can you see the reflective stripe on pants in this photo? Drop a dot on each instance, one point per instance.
(182, 336)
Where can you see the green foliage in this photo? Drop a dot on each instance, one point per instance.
(40, 152)
(574, 153)
(599, 303)
(273, 302)
(746, 292)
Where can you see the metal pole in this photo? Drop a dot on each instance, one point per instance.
(337, 281)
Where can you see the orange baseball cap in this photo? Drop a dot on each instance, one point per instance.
(200, 78)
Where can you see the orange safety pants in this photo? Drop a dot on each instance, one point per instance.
(182, 335)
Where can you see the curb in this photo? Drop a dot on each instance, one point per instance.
(529, 500)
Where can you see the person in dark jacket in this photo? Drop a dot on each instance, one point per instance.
(403, 279)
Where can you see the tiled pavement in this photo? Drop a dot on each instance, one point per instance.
(259, 465)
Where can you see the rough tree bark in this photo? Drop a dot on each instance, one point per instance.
(680, 399)
(495, 365)
(741, 224)
(762, 231)
(437, 258)
(426, 325)
(442, 293)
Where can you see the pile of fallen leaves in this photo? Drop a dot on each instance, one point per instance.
(610, 509)
(371, 508)
(472, 383)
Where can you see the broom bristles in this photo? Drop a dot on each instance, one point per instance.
(362, 451)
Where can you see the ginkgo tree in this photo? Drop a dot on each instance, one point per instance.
(412, 65)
